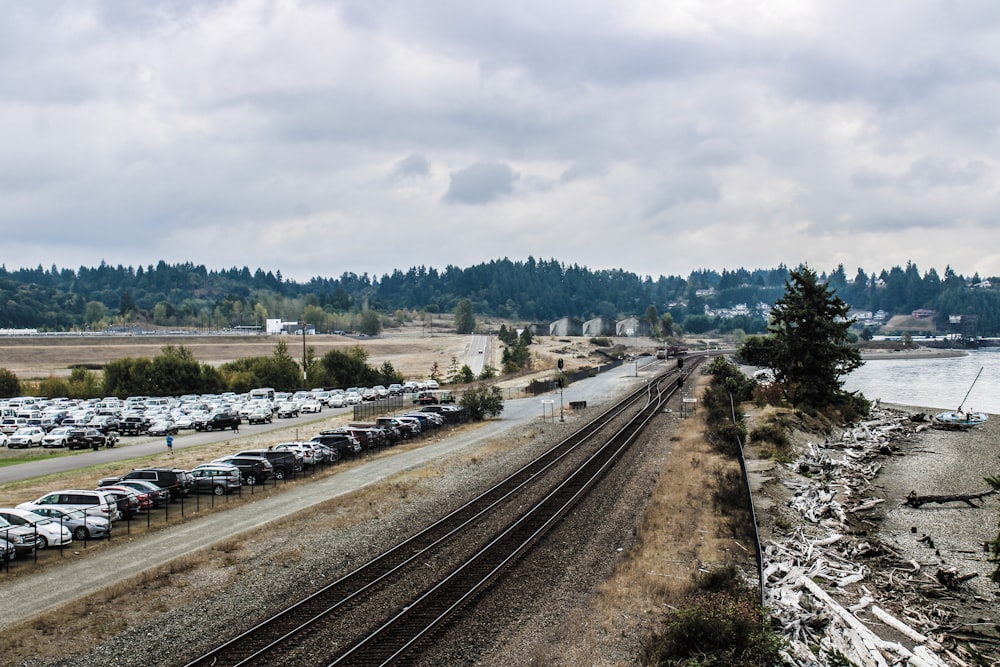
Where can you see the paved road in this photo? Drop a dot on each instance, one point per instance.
(33, 594)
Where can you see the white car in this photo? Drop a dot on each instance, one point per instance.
(352, 398)
(26, 436)
(335, 400)
(49, 532)
(56, 437)
(310, 406)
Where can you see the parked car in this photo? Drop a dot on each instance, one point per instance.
(96, 503)
(219, 421)
(311, 406)
(3, 439)
(9, 425)
(25, 437)
(216, 479)
(133, 425)
(287, 410)
(56, 437)
(129, 503)
(173, 480)
(307, 452)
(345, 444)
(284, 462)
(158, 496)
(260, 415)
(163, 427)
(7, 551)
(48, 532)
(90, 438)
(24, 538)
(104, 423)
(336, 400)
(81, 525)
(254, 469)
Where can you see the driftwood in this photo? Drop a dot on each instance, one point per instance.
(913, 500)
(826, 580)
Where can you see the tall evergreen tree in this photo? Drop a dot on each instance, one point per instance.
(465, 321)
(809, 348)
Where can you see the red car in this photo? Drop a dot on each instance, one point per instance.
(143, 500)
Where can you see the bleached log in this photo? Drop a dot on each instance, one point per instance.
(865, 506)
(870, 639)
(903, 628)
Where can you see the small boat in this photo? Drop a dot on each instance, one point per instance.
(960, 420)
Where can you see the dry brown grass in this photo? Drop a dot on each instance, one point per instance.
(680, 535)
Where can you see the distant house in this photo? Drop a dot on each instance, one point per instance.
(632, 326)
(922, 314)
(566, 326)
(537, 328)
(599, 326)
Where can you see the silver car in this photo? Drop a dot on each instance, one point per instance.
(81, 525)
(48, 532)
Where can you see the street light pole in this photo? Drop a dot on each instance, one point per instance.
(305, 379)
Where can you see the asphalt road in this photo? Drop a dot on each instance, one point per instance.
(33, 594)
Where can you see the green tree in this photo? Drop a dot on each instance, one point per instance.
(10, 386)
(653, 318)
(488, 373)
(809, 347)
(371, 323)
(94, 313)
(482, 402)
(465, 321)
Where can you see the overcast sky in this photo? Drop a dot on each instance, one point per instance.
(656, 136)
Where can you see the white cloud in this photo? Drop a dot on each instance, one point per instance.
(282, 133)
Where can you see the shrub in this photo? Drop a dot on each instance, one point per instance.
(601, 341)
(715, 629)
(773, 433)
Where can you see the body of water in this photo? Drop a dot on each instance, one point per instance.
(933, 383)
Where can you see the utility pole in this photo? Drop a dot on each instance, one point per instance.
(305, 379)
(562, 382)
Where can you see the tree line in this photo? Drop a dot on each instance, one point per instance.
(192, 296)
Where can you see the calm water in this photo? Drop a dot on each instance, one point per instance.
(933, 383)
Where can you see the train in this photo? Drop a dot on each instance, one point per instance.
(671, 351)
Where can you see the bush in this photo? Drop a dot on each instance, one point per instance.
(715, 629)
(482, 402)
(601, 341)
(773, 433)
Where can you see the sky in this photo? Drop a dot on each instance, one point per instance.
(316, 138)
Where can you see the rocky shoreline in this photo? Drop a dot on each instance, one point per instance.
(837, 515)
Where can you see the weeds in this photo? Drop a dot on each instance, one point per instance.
(721, 624)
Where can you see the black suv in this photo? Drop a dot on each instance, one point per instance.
(284, 462)
(345, 444)
(174, 480)
(219, 421)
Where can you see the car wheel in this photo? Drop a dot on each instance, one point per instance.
(80, 533)
(279, 473)
(219, 490)
(251, 480)
(41, 542)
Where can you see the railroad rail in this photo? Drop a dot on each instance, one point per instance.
(405, 632)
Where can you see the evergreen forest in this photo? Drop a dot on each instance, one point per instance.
(188, 296)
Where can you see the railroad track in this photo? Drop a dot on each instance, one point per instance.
(299, 630)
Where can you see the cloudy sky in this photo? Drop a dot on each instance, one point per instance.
(317, 137)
